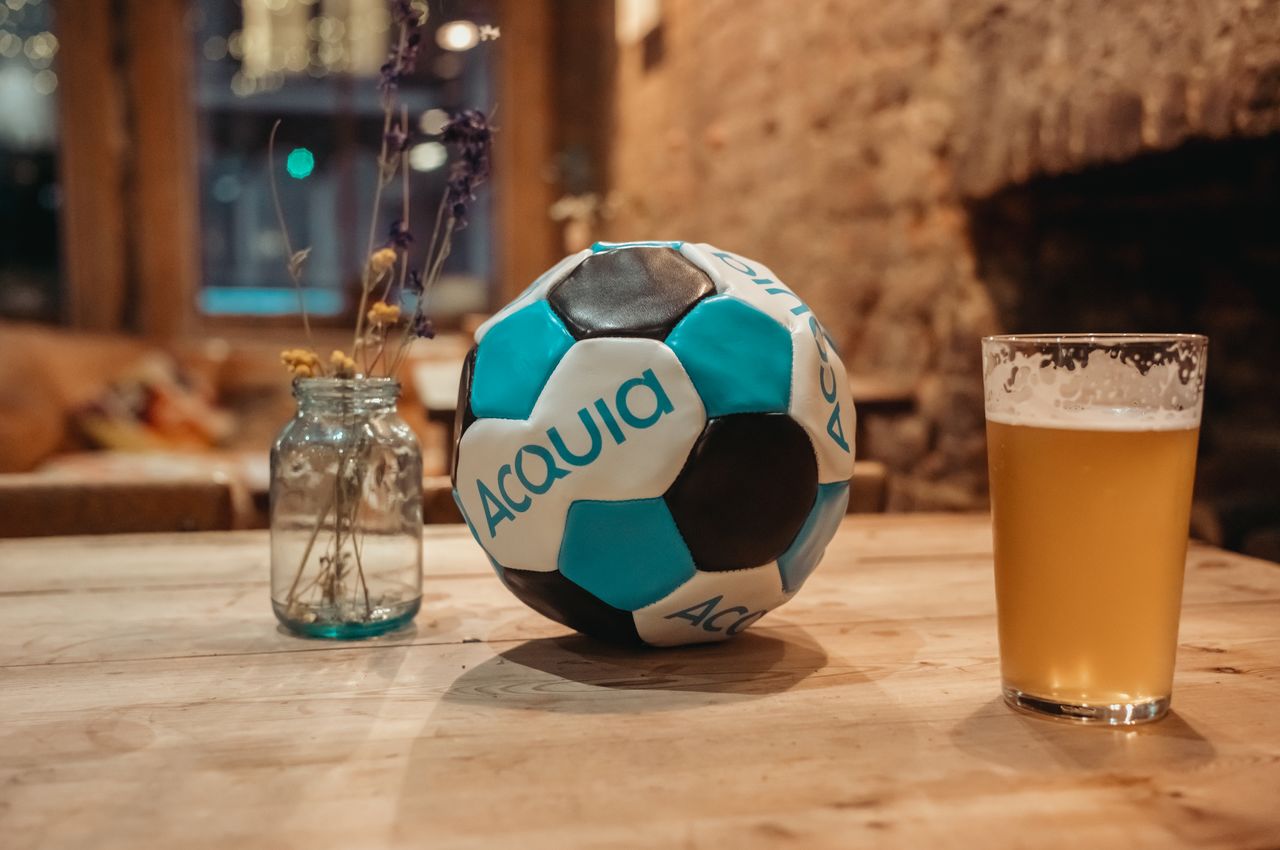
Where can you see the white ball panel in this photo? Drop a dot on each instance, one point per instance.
(492, 453)
(712, 606)
(696, 255)
(817, 375)
(815, 366)
(754, 283)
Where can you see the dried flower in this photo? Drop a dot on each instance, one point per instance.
(382, 313)
(468, 131)
(400, 236)
(301, 362)
(381, 261)
(343, 366)
(414, 283)
(423, 327)
(402, 61)
(408, 12)
(386, 274)
(396, 139)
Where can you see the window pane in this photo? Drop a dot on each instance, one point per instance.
(313, 64)
(28, 162)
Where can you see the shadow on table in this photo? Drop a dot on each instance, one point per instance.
(579, 675)
(567, 730)
(996, 733)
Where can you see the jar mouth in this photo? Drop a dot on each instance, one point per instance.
(355, 389)
(345, 382)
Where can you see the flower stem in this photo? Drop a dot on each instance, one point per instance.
(434, 266)
(306, 553)
(295, 274)
(355, 547)
(366, 283)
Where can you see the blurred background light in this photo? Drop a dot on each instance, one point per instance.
(215, 48)
(10, 45)
(44, 82)
(226, 189)
(27, 123)
(427, 156)
(300, 163)
(432, 121)
(458, 35)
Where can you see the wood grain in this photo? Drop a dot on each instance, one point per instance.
(149, 700)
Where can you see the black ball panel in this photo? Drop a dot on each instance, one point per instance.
(642, 291)
(554, 596)
(745, 491)
(463, 415)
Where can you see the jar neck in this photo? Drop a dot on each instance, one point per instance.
(333, 396)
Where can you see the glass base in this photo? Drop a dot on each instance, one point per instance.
(390, 618)
(1104, 714)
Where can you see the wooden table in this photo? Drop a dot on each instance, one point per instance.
(147, 699)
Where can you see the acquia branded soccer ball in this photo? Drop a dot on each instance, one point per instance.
(654, 442)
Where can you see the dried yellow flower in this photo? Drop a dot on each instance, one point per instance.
(382, 313)
(343, 366)
(301, 362)
(381, 260)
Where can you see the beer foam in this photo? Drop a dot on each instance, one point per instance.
(1097, 389)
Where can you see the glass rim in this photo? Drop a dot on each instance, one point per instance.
(1102, 338)
(360, 390)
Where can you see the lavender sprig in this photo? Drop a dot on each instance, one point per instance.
(403, 12)
(422, 327)
(396, 139)
(403, 59)
(386, 265)
(470, 132)
(400, 237)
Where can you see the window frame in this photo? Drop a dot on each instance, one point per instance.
(130, 219)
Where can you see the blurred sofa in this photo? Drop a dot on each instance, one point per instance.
(56, 479)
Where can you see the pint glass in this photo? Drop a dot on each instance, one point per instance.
(1091, 449)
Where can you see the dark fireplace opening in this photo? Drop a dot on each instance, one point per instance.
(1185, 241)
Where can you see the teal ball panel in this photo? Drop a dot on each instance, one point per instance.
(738, 358)
(514, 360)
(628, 554)
(819, 527)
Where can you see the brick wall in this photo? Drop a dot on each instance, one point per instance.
(843, 141)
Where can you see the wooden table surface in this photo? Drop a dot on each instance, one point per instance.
(147, 699)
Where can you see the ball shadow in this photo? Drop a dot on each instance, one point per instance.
(576, 674)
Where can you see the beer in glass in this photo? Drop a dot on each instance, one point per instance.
(1091, 443)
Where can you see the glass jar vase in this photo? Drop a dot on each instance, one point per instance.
(346, 511)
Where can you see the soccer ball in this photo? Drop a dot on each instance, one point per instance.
(654, 442)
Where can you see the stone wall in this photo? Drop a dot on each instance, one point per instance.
(844, 142)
